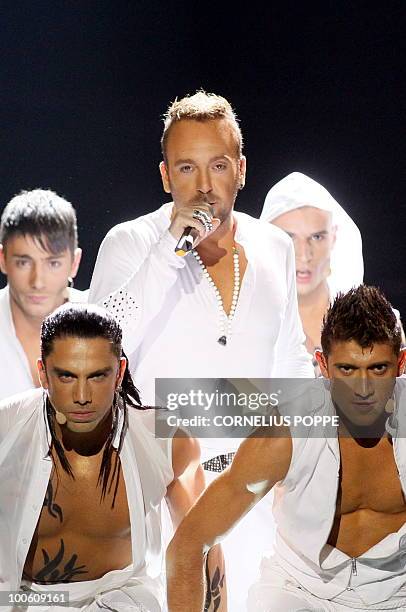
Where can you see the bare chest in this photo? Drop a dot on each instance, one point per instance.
(227, 278)
(81, 504)
(75, 524)
(369, 479)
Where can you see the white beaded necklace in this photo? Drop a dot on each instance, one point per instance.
(225, 320)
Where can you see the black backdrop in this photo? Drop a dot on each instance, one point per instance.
(318, 89)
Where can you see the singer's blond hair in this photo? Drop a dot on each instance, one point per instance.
(201, 106)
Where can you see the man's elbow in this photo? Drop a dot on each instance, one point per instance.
(184, 549)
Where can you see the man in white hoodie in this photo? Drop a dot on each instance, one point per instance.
(328, 247)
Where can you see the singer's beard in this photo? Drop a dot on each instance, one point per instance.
(219, 211)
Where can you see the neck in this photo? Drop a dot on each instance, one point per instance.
(85, 443)
(24, 326)
(318, 298)
(366, 436)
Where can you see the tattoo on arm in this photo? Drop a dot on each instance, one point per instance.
(51, 572)
(213, 588)
(54, 510)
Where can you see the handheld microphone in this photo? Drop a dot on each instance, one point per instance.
(186, 241)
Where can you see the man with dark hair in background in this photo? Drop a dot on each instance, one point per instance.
(339, 501)
(83, 476)
(226, 309)
(39, 254)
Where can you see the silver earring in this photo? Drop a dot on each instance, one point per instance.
(70, 282)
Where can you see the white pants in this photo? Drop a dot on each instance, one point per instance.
(116, 605)
(277, 591)
(136, 595)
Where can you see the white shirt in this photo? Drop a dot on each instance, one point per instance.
(170, 314)
(25, 469)
(15, 373)
(305, 506)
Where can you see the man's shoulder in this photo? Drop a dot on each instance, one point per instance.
(5, 306)
(4, 296)
(22, 404)
(145, 225)
(186, 450)
(262, 230)
(154, 454)
(144, 417)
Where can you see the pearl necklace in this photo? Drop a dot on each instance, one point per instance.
(225, 320)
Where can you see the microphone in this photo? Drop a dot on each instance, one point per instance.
(186, 241)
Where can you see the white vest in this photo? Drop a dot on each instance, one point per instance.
(304, 509)
(25, 470)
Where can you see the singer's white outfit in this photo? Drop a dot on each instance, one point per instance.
(298, 190)
(170, 317)
(15, 374)
(169, 311)
(305, 572)
(25, 469)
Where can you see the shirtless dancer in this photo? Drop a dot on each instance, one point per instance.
(40, 256)
(83, 448)
(339, 501)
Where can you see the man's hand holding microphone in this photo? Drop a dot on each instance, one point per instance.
(191, 224)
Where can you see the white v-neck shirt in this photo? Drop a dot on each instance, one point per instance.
(170, 315)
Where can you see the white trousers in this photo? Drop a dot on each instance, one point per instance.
(277, 591)
(136, 595)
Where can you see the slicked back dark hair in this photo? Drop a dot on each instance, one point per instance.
(43, 215)
(74, 320)
(364, 315)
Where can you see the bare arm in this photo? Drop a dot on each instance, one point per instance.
(183, 492)
(257, 466)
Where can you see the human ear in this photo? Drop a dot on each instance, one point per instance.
(3, 266)
(164, 177)
(322, 361)
(77, 256)
(42, 375)
(402, 362)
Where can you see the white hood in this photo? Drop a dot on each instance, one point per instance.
(297, 190)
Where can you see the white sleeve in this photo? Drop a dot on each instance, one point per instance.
(291, 357)
(133, 273)
(5, 421)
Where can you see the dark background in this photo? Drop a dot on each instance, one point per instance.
(318, 88)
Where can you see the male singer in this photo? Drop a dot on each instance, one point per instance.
(229, 307)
